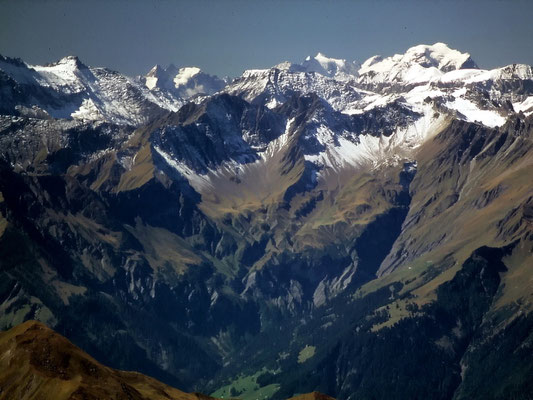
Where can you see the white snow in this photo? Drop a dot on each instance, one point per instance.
(525, 106)
(461, 75)
(418, 64)
(376, 150)
(151, 82)
(331, 67)
(277, 144)
(273, 103)
(63, 75)
(439, 52)
(185, 74)
(87, 111)
(472, 113)
(513, 71)
(423, 72)
(99, 93)
(418, 74)
(196, 180)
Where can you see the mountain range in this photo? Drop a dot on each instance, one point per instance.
(364, 230)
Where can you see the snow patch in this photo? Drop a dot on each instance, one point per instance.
(196, 180)
(473, 113)
(525, 106)
(376, 150)
(87, 111)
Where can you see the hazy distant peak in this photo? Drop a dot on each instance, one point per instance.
(438, 55)
(320, 64)
(330, 66)
(441, 56)
(421, 63)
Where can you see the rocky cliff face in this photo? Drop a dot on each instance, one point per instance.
(305, 218)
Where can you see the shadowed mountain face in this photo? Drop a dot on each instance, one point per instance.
(366, 233)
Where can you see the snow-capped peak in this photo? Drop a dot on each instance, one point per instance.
(156, 71)
(154, 76)
(68, 62)
(330, 67)
(71, 60)
(419, 64)
(68, 74)
(440, 56)
(160, 77)
(183, 83)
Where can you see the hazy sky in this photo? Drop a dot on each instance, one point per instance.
(226, 37)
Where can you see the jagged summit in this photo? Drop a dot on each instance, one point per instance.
(182, 83)
(98, 94)
(160, 77)
(331, 67)
(156, 71)
(321, 64)
(68, 61)
(15, 61)
(418, 64)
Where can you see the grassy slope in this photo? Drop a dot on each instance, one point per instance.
(246, 388)
(441, 234)
(37, 363)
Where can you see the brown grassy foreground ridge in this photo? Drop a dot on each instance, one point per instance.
(38, 363)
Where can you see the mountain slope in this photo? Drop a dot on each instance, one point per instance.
(337, 215)
(36, 362)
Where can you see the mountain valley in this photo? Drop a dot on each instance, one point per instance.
(362, 230)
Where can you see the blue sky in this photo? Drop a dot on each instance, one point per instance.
(226, 37)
